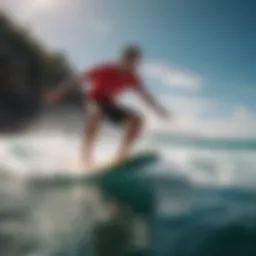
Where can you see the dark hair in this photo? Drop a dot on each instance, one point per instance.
(132, 51)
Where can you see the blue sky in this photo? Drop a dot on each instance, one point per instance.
(211, 38)
(199, 54)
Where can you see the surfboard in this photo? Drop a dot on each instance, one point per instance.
(120, 182)
(112, 170)
(131, 163)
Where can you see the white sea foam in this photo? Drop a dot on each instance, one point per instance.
(45, 153)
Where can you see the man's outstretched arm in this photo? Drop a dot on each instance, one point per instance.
(152, 102)
(62, 89)
(71, 83)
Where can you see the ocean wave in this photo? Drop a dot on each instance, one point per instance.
(183, 219)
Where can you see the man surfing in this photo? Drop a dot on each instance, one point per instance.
(107, 82)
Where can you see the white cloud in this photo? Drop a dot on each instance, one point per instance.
(173, 77)
(193, 116)
(233, 126)
(240, 123)
(29, 10)
(61, 24)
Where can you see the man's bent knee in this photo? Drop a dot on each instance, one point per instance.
(136, 121)
(94, 116)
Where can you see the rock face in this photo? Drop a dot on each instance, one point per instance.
(18, 98)
(26, 70)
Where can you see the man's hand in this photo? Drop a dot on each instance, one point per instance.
(150, 100)
(56, 95)
(52, 98)
(165, 114)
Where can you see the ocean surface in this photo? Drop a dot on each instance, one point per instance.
(199, 199)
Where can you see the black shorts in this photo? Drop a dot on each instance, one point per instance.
(115, 113)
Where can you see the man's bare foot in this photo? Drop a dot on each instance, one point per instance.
(87, 163)
(121, 158)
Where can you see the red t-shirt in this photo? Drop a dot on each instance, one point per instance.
(108, 81)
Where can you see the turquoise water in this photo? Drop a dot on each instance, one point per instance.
(198, 199)
(207, 143)
(164, 216)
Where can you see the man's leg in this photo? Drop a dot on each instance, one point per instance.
(90, 132)
(134, 126)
